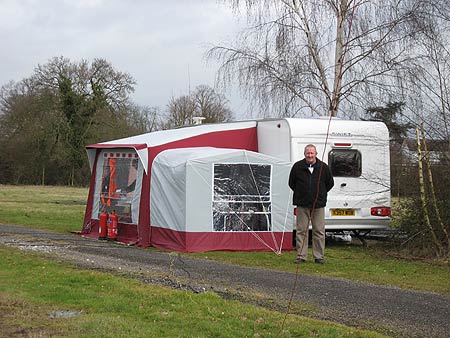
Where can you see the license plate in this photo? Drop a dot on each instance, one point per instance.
(342, 212)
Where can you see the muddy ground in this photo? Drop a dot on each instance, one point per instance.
(388, 310)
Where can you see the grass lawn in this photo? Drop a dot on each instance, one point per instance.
(54, 299)
(61, 209)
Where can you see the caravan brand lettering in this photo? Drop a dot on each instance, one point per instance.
(341, 134)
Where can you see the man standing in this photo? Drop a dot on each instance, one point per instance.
(310, 179)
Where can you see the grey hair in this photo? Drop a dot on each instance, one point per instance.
(310, 146)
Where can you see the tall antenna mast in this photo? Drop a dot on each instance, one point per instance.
(189, 81)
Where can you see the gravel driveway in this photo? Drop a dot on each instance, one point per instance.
(388, 310)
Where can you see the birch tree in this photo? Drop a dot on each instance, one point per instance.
(427, 84)
(321, 57)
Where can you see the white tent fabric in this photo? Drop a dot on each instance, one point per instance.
(183, 192)
(160, 137)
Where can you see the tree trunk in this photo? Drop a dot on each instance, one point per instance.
(433, 194)
(423, 197)
(339, 54)
(72, 174)
(43, 175)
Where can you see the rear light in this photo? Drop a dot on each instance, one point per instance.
(342, 145)
(295, 211)
(380, 211)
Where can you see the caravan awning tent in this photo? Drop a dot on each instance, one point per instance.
(117, 164)
(205, 199)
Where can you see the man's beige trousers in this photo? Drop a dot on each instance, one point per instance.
(317, 218)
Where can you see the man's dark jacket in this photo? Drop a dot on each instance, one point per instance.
(304, 184)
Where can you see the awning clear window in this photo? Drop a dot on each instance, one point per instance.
(118, 184)
(242, 198)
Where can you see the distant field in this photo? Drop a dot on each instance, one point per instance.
(59, 209)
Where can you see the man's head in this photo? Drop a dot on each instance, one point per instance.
(310, 153)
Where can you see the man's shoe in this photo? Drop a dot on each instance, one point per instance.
(319, 261)
(299, 260)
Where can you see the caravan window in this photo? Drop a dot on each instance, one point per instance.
(242, 199)
(118, 184)
(345, 162)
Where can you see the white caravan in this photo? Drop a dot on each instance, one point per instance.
(357, 153)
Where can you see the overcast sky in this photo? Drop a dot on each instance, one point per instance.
(161, 43)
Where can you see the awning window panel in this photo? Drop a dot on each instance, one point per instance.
(119, 176)
(242, 199)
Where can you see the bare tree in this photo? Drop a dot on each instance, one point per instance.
(203, 102)
(315, 57)
(144, 119)
(211, 105)
(181, 110)
(29, 129)
(427, 84)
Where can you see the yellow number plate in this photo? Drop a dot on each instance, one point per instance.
(342, 212)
